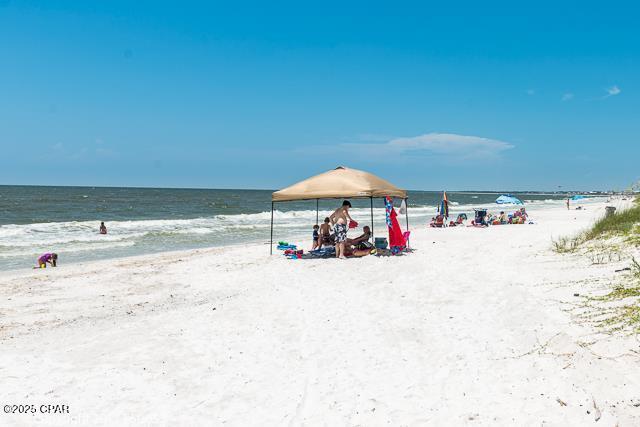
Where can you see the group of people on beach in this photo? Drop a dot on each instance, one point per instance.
(333, 232)
(483, 218)
(518, 217)
(51, 258)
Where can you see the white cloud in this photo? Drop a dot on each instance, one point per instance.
(373, 137)
(567, 96)
(445, 144)
(612, 91)
(73, 152)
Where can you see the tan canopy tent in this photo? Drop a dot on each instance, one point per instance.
(339, 183)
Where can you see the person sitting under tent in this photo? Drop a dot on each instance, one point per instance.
(360, 246)
(364, 237)
(325, 238)
(358, 252)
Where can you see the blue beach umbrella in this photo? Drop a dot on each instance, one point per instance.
(508, 199)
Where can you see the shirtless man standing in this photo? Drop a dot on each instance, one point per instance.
(341, 212)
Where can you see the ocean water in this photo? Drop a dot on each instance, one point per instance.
(65, 220)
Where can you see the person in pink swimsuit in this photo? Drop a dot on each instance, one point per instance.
(50, 258)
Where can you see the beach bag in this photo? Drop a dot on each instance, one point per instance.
(403, 207)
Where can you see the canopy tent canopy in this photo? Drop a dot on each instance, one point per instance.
(508, 199)
(339, 183)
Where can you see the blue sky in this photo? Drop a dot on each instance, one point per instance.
(472, 95)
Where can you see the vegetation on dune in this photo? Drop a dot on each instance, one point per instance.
(566, 244)
(625, 223)
(620, 223)
(625, 316)
(619, 309)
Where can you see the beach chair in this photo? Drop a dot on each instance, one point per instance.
(480, 218)
(438, 222)
(405, 236)
(459, 220)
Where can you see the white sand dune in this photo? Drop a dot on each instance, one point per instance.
(472, 328)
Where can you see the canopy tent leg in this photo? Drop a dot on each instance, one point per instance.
(271, 244)
(372, 235)
(317, 204)
(406, 213)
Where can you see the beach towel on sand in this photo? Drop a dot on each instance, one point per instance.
(328, 252)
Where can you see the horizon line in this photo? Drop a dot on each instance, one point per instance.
(268, 189)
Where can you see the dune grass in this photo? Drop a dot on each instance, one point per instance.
(619, 310)
(627, 316)
(624, 223)
(620, 223)
(565, 244)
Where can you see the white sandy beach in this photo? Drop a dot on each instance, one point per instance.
(473, 328)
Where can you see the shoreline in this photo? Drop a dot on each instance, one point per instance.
(293, 236)
(139, 222)
(149, 256)
(474, 326)
(76, 248)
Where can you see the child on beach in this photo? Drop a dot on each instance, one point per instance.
(316, 238)
(103, 228)
(50, 258)
(325, 233)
